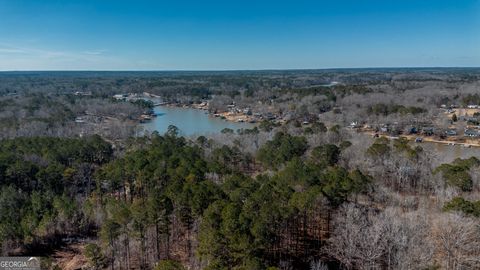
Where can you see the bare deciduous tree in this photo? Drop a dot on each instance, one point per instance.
(458, 241)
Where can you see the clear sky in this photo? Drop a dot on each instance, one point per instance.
(231, 34)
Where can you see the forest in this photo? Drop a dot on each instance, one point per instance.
(307, 193)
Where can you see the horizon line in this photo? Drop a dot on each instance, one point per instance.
(233, 70)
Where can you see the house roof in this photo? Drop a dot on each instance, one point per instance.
(471, 132)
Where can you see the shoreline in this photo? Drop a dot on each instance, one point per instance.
(428, 139)
(190, 121)
(233, 118)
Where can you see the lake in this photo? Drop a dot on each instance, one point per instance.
(439, 152)
(448, 153)
(189, 121)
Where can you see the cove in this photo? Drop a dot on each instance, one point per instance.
(189, 121)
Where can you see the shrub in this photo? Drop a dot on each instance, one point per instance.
(462, 205)
(457, 175)
(169, 265)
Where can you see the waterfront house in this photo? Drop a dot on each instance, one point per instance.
(472, 120)
(385, 128)
(270, 116)
(412, 130)
(469, 132)
(247, 111)
(451, 132)
(428, 131)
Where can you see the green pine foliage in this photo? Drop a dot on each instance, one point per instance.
(471, 208)
(457, 174)
(282, 148)
(40, 179)
(159, 180)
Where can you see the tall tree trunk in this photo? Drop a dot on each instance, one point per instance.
(168, 242)
(113, 254)
(157, 241)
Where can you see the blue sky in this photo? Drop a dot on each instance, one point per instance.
(218, 35)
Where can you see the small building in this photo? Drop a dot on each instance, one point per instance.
(354, 124)
(270, 116)
(120, 96)
(79, 120)
(80, 93)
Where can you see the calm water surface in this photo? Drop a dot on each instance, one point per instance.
(189, 121)
(448, 153)
(440, 153)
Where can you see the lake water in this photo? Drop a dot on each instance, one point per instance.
(439, 152)
(189, 121)
(448, 153)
